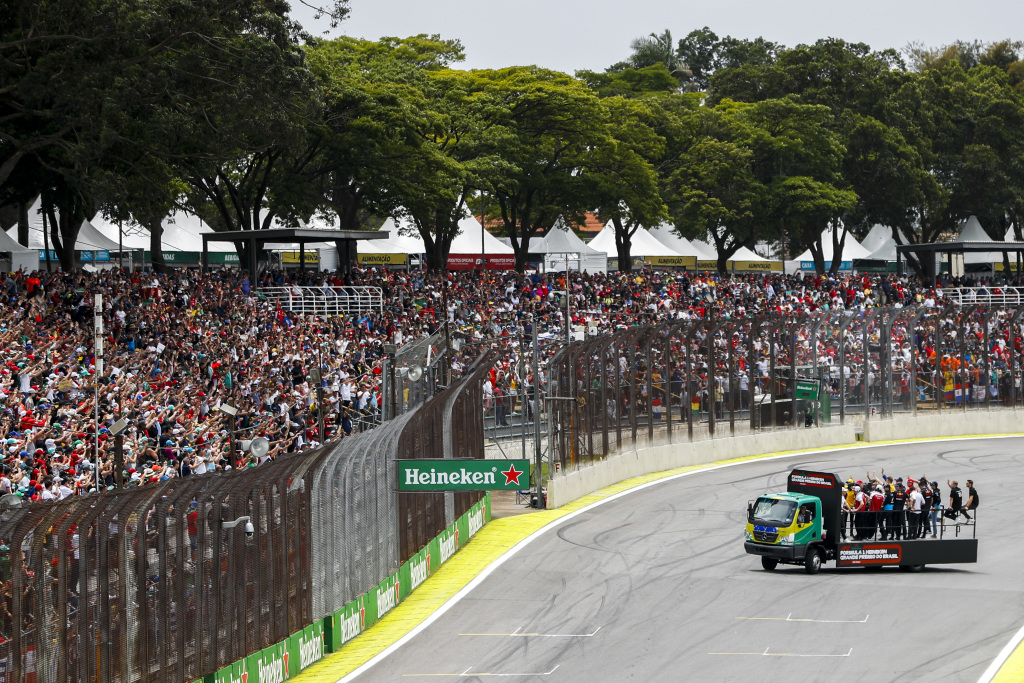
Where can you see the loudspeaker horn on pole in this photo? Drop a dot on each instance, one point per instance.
(415, 372)
(259, 446)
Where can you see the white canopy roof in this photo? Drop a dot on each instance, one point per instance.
(385, 247)
(468, 239)
(707, 251)
(89, 238)
(971, 231)
(744, 254)
(560, 242)
(852, 249)
(182, 232)
(879, 235)
(8, 243)
(665, 234)
(22, 258)
(881, 243)
(641, 244)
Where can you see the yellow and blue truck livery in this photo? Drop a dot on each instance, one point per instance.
(804, 526)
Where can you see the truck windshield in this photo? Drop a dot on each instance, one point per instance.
(774, 511)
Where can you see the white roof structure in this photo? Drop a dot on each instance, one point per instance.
(561, 243)
(383, 247)
(880, 242)
(744, 254)
(665, 234)
(182, 232)
(89, 238)
(878, 236)
(971, 231)
(469, 238)
(708, 252)
(641, 244)
(22, 258)
(852, 249)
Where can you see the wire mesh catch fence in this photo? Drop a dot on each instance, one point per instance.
(172, 581)
(689, 380)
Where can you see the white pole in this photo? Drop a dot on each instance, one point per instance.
(97, 373)
(568, 312)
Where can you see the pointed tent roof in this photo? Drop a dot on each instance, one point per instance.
(182, 232)
(877, 237)
(89, 238)
(385, 247)
(561, 240)
(971, 231)
(641, 244)
(881, 243)
(665, 234)
(852, 249)
(706, 249)
(744, 254)
(468, 239)
(8, 243)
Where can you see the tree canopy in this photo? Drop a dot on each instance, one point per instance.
(229, 110)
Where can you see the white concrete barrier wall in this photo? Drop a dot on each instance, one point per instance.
(566, 488)
(948, 423)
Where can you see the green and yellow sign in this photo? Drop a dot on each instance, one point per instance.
(463, 475)
(807, 390)
(382, 259)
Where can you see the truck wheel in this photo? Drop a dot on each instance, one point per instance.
(769, 563)
(812, 563)
(911, 567)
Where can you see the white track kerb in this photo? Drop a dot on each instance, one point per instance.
(986, 677)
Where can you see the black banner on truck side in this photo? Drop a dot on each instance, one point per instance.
(925, 551)
(829, 489)
(853, 555)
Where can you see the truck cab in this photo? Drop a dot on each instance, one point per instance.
(781, 527)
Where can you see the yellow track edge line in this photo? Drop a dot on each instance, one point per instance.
(499, 536)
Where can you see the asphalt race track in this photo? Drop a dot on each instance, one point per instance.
(655, 586)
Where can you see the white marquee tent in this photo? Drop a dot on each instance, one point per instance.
(22, 258)
(852, 250)
(744, 254)
(182, 232)
(880, 242)
(641, 244)
(562, 247)
(971, 231)
(665, 234)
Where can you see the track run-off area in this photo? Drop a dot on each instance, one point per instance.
(648, 581)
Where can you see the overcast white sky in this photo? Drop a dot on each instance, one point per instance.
(592, 34)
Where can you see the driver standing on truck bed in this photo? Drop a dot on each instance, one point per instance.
(915, 501)
(899, 518)
(972, 499)
(848, 497)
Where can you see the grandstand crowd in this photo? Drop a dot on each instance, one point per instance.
(180, 344)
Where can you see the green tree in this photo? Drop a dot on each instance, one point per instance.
(658, 49)
(77, 77)
(620, 172)
(627, 81)
(377, 115)
(706, 54)
(713, 186)
(549, 125)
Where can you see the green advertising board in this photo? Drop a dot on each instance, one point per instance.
(807, 390)
(463, 475)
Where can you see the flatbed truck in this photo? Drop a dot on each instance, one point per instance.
(804, 526)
